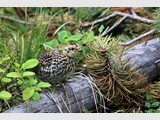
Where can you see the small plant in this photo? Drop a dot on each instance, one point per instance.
(25, 80)
(156, 18)
(152, 106)
(5, 95)
(119, 111)
(65, 36)
(85, 110)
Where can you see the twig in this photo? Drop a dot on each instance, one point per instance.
(80, 109)
(12, 85)
(69, 102)
(138, 18)
(15, 20)
(7, 104)
(60, 28)
(65, 104)
(137, 38)
(133, 12)
(98, 21)
(114, 26)
(51, 97)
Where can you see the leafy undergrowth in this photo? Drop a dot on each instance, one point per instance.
(21, 44)
(151, 105)
(17, 78)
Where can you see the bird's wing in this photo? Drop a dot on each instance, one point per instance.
(47, 57)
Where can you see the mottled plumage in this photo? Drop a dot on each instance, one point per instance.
(55, 65)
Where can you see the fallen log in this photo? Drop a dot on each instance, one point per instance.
(79, 95)
(75, 97)
(146, 58)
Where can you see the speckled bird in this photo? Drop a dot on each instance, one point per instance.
(54, 66)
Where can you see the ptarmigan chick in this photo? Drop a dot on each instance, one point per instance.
(54, 66)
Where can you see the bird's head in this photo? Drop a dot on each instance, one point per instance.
(72, 49)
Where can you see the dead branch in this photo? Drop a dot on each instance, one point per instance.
(137, 38)
(98, 21)
(132, 11)
(134, 17)
(114, 26)
(15, 20)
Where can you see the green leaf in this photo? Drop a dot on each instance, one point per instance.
(1, 70)
(86, 110)
(5, 95)
(81, 56)
(119, 111)
(78, 34)
(17, 64)
(20, 82)
(101, 29)
(52, 44)
(43, 85)
(62, 35)
(30, 64)
(148, 96)
(32, 81)
(36, 96)
(37, 88)
(4, 59)
(28, 93)
(155, 103)
(28, 73)
(147, 104)
(90, 36)
(62, 48)
(6, 80)
(75, 37)
(158, 110)
(13, 74)
(150, 111)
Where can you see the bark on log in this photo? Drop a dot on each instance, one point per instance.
(77, 96)
(144, 56)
